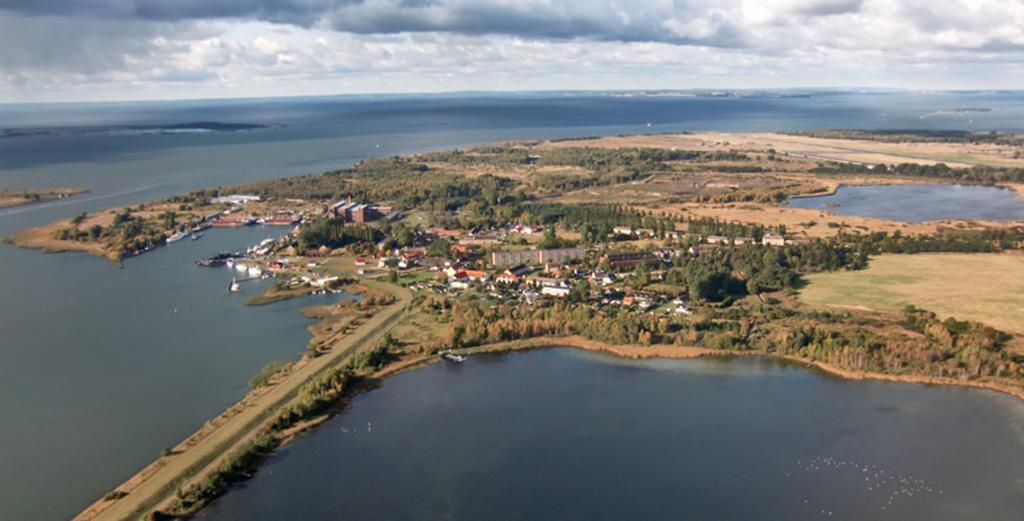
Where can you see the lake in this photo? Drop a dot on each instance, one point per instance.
(920, 202)
(98, 373)
(564, 434)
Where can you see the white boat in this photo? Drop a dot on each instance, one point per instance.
(241, 267)
(177, 237)
(197, 235)
(452, 357)
(230, 263)
(234, 287)
(255, 271)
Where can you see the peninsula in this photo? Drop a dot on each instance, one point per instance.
(10, 197)
(673, 245)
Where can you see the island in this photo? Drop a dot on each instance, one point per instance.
(663, 245)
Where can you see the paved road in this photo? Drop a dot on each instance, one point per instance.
(240, 427)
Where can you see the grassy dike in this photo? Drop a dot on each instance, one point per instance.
(241, 441)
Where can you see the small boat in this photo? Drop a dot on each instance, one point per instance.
(230, 263)
(255, 271)
(177, 237)
(234, 287)
(452, 357)
(196, 236)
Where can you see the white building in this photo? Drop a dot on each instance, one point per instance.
(555, 291)
(235, 199)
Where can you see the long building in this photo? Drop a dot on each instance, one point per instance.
(619, 261)
(359, 213)
(554, 256)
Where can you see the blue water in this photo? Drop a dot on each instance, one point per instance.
(918, 203)
(565, 435)
(97, 374)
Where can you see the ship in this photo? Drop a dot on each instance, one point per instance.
(177, 237)
(452, 357)
(234, 287)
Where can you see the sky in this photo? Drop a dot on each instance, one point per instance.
(99, 50)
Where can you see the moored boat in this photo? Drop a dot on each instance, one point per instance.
(452, 357)
(177, 237)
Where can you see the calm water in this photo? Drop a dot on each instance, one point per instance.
(113, 365)
(917, 203)
(567, 435)
(97, 373)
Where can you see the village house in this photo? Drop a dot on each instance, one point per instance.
(446, 233)
(471, 275)
(702, 249)
(513, 274)
(773, 239)
(507, 277)
(538, 281)
(519, 270)
(681, 307)
(431, 263)
(526, 229)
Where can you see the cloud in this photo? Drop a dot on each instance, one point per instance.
(157, 48)
(285, 11)
(679, 22)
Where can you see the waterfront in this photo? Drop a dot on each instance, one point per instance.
(100, 371)
(115, 364)
(565, 434)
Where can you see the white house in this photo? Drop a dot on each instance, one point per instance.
(772, 239)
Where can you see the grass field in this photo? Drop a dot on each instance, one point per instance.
(988, 288)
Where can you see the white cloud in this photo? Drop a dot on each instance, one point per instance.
(145, 48)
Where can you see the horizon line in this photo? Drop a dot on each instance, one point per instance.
(851, 89)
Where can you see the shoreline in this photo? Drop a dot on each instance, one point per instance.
(198, 454)
(674, 352)
(13, 198)
(677, 352)
(625, 351)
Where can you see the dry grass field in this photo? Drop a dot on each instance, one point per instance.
(823, 149)
(988, 288)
